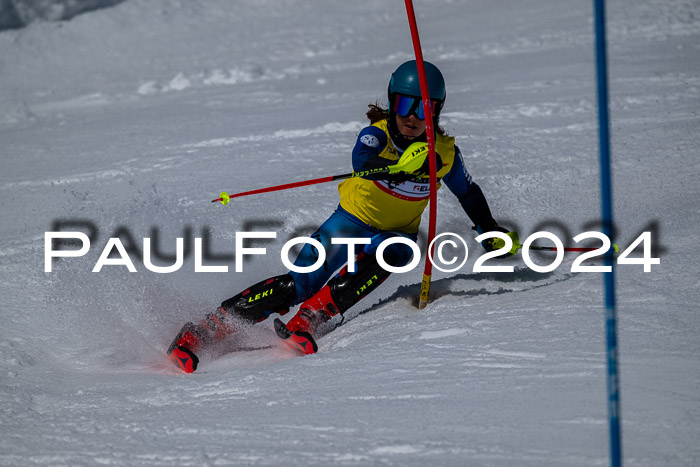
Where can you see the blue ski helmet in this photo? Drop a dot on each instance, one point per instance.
(405, 81)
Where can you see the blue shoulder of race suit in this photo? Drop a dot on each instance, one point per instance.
(370, 142)
(468, 192)
(458, 179)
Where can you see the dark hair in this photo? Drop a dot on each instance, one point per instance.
(376, 113)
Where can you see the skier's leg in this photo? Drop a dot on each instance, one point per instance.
(343, 291)
(274, 295)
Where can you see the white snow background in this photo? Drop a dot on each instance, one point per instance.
(134, 117)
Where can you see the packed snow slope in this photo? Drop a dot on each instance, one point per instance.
(125, 122)
(19, 13)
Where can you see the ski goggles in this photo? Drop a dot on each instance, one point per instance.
(407, 105)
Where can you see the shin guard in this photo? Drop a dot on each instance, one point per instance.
(255, 304)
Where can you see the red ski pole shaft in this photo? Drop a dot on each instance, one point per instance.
(553, 248)
(225, 197)
(408, 163)
(567, 248)
(285, 186)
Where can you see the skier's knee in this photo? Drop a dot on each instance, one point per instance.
(396, 254)
(273, 295)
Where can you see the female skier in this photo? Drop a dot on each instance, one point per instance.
(371, 207)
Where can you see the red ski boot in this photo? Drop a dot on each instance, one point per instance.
(183, 348)
(312, 313)
(194, 337)
(342, 292)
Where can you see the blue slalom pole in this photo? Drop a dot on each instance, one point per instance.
(613, 384)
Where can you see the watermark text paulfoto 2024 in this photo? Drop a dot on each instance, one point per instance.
(448, 252)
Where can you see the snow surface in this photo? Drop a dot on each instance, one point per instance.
(132, 118)
(19, 13)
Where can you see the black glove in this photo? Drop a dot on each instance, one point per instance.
(424, 170)
(491, 244)
(398, 177)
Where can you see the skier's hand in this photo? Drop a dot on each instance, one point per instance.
(424, 170)
(398, 177)
(414, 160)
(491, 244)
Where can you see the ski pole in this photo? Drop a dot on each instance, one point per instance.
(553, 248)
(409, 162)
(499, 243)
(225, 197)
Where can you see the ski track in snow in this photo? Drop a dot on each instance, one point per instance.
(131, 119)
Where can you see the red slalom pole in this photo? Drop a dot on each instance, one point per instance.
(429, 131)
